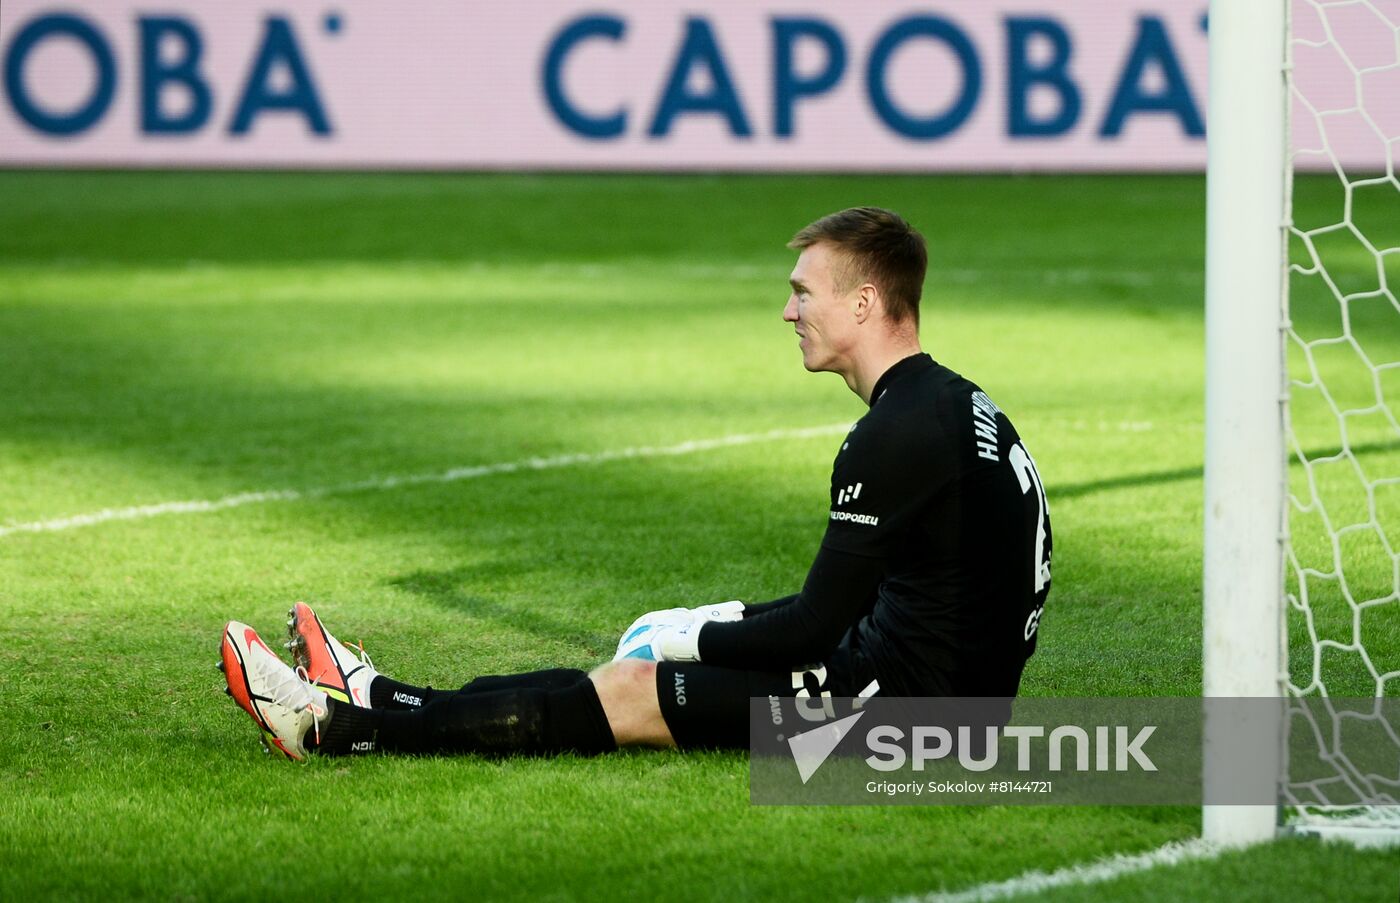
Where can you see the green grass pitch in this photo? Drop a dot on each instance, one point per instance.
(170, 337)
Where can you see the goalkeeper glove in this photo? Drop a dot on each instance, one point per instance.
(636, 639)
(673, 635)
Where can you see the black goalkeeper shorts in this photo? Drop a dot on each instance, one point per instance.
(708, 707)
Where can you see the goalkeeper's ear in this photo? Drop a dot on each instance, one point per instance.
(867, 300)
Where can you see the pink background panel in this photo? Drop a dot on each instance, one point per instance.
(446, 83)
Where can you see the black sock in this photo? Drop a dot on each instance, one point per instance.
(525, 720)
(346, 729)
(387, 693)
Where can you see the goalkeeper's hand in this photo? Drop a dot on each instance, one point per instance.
(673, 635)
(637, 639)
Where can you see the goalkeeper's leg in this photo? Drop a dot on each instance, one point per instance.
(519, 716)
(631, 702)
(623, 703)
(543, 713)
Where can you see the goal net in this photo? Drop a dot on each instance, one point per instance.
(1341, 550)
(1302, 477)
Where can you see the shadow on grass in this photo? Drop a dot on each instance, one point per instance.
(451, 589)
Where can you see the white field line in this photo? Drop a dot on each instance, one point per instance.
(201, 506)
(1095, 872)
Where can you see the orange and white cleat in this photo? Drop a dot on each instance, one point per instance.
(331, 667)
(278, 699)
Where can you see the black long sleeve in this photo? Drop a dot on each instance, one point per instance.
(800, 630)
(752, 610)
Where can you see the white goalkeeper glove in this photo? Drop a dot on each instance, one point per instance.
(673, 635)
(637, 638)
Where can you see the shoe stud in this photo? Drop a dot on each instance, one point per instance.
(220, 666)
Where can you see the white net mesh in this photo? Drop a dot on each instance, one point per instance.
(1342, 567)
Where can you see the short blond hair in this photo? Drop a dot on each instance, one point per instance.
(878, 247)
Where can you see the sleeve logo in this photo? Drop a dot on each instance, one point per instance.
(869, 520)
(843, 496)
(850, 492)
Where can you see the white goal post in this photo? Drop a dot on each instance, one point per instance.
(1244, 464)
(1326, 474)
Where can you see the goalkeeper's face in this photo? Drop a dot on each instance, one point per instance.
(822, 311)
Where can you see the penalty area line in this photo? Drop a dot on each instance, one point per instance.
(579, 459)
(1106, 869)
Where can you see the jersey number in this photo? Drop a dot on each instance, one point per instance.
(1021, 462)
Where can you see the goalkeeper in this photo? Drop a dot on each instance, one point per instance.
(930, 579)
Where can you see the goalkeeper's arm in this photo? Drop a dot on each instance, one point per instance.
(802, 629)
(753, 610)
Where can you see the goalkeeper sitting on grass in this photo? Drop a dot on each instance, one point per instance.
(930, 579)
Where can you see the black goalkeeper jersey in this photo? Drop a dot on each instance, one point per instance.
(935, 565)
